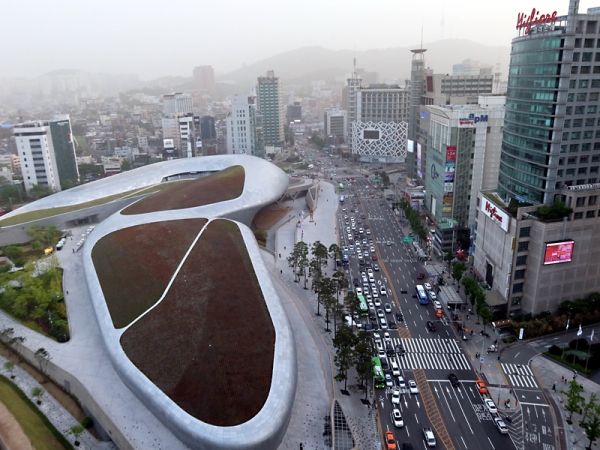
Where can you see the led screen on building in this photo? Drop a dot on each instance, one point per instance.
(370, 134)
(410, 146)
(558, 252)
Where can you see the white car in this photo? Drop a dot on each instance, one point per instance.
(368, 298)
(382, 290)
(386, 337)
(427, 286)
(377, 301)
(371, 278)
(388, 308)
(401, 383)
(377, 336)
(380, 313)
(381, 353)
(372, 249)
(395, 368)
(389, 382)
(490, 405)
(368, 231)
(369, 271)
(432, 295)
(397, 418)
(396, 397)
(429, 437)
(358, 291)
(412, 387)
(383, 324)
(373, 286)
(437, 305)
(502, 428)
(375, 294)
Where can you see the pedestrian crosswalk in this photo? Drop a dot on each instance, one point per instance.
(519, 375)
(423, 353)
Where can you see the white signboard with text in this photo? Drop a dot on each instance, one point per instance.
(495, 213)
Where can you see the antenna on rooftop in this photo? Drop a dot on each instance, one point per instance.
(422, 26)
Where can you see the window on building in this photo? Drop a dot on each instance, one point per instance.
(563, 148)
(516, 301)
(596, 69)
(584, 83)
(586, 69)
(523, 246)
(580, 202)
(592, 180)
(590, 214)
(591, 109)
(586, 147)
(583, 159)
(566, 136)
(561, 161)
(569, 110)
(594, 169)
(596, 83)
(517, 287)
(572, 160)
(590, 122)
(594, 95)
(579, 109)
(519, 274)
(581, 96)
(570, 172)
(573, 148)
(576, 56)
(559, 173)
(586, 56)
(595, 158)
(525, 232)
(578, 215)
(568, 123)
(596, 145)
(577, 123)
(580, 182)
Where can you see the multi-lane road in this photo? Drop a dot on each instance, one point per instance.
(457, 414)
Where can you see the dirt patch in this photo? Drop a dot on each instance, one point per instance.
(134, 265)
(269, 216)
(221, 186)
(11, 434)
(210, 343)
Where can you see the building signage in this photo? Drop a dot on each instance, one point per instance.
(472, 120)
(168, 143)
(559, 252)
(451, 153)
(448, 187)
(495, 213)
(584, 187)
(434, 172)
(534, 19)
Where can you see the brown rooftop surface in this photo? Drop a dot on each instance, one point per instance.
(209, 345)
(134, 265)
(221, 186)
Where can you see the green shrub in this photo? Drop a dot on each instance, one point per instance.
(579, 344)
(87, 422)
(555, 350)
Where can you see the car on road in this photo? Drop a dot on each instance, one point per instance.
(490, 405)
(429, 437)
(432, 296)
(377, 301)
(381, 353)
(368, 231)
(376, 336)
(412, 387)
(453, 380)
(369, 271)
(389, 243)
(396, 397)
(427, 286)
(380, 313)
(374, 257)
(386, 337)
(437, 305)
(389, 382)
(372, 249)
(382, 290)
(430, 326)
(396, 370)
(401, 383)
(376, 267)
(359, 291)
(390, 442)
(375, 294)
(390, 352)
(397, 418)
(502, 428)
(399, 350)
(388, 308)
(481, 387)
(439, 313)
(356, 282)
(399, 316)
(420, 276)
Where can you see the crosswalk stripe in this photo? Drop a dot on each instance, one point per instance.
(518, 375)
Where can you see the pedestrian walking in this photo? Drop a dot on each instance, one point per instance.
(554, 387)
(467, 317)
(562, 379)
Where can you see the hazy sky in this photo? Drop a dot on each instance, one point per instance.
(155, 38)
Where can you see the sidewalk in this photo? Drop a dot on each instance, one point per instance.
(316, 385)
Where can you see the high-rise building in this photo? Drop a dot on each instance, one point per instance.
(270, 105)
(379, 129)
(177, 103)
(335, 124)
(463, 158)
(533, 253)
(207, 127)
(244, 127)
(294, 112)
(204, 79)
(47, 153)
(428, 88)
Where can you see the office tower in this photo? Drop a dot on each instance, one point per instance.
(270, 105)
(428, 88)
(534, 254)
(204, 79)
(462, 159)
(351, 88)
(207, 128)
(469, 67)
(379, 129)
(335, 124)
(177, 103)
(47, 153)
(244, 127)
(294, 112)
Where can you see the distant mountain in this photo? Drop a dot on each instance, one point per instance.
(307, 63)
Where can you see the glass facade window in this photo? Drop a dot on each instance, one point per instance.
(525, 232)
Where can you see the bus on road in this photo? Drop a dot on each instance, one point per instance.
(422, 295)
(364, 309)
(378, 376)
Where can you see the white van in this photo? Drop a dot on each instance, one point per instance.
(395, 368)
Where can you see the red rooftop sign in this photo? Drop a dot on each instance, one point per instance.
(535, 18)
(496, 214)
